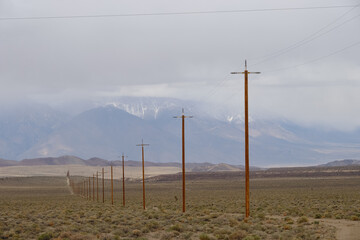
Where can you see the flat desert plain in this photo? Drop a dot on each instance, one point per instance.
(81, 170)
(44, 207)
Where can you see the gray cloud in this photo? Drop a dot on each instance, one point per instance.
(185, 56)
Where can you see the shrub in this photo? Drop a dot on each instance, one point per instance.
(136, 233)
(303, 219)
(252, 237)
(176, 227)
(204, 236)
(45, 236)
(237, 235)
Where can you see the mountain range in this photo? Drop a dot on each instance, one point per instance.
(108, 128)
(341, 163)
(192, 167)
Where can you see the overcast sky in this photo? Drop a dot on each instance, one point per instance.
(188, 56)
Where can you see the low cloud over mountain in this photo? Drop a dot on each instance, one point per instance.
(110, 128)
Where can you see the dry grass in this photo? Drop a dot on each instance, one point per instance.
(42, 208)
(80, 170)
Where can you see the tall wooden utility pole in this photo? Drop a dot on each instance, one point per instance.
(97, 186)
(93, 187)
(89, 189)
(103, 185)
(123, 179)
(247, 185)
(183, 156)
(143, 169)
(112, 186)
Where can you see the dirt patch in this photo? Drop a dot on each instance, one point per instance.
(68, 184)
(80, 170)
(345, 229)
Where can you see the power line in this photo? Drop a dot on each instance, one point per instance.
(308, 39)
(176, 13)
(299, 65)
(316, 59)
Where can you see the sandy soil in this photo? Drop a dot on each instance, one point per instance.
(68, 184)
(80, 170)
(345, 229)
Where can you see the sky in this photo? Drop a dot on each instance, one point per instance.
(309, 59)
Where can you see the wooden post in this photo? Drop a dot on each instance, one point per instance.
(89, 189)
(143, 170)
(123, 179)
(143, 176)
(112, 186)
(103, 185)
(93, 187)
(97, 186)
(183, 161)
(183, 158)
(247, 174)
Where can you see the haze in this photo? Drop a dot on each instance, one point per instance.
(67, 60)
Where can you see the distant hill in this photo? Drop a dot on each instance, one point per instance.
(341, 163)
(63, 160)
(73, 160)
(96, 162)
(6, 163)
(209, 167)
(297, 172)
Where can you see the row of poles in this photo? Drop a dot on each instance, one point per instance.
(84, 188)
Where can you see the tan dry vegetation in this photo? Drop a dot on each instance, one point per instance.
(44, 209)
(81, 170)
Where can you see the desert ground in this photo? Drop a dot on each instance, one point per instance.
(81, 170)
(43, 207)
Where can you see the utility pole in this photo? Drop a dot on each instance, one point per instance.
(97, 186)
(89, 189)
(183, 156)
(103, 185)
(93, 180)
(143, 169)
(123, 179)
(247, 181)
(112, 186)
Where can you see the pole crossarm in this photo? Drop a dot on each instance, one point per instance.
(244, 72)
(183, 115)
(143, 145)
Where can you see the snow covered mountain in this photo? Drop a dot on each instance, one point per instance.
(116, 125)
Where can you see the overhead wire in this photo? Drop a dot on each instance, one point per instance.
(175, 13)
(308, 39)
(216, 88)
(291, 67)
(210, 93)
(312, 37)
(316, 59)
